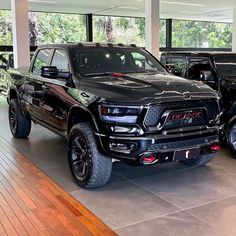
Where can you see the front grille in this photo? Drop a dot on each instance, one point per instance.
(155, 112)
(181, 119)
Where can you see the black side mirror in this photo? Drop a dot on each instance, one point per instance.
(49, 72)
(206, 76)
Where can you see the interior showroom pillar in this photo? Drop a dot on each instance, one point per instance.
(20, 33)
(152, 8)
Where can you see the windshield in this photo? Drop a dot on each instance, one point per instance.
(103, 61)
(226, 66)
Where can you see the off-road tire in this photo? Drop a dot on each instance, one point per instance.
(200, 161)
(97, 168)
(229, 138)
(20, 125)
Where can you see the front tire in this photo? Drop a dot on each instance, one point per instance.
(200, 161)
(20, 125)
(90, 168)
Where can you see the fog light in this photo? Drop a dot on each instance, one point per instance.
(121, 129)
(123, 147)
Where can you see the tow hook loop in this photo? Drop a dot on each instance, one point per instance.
(147, 160)
(215, 147)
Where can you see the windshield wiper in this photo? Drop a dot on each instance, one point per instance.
(146, 71)
(98, 74)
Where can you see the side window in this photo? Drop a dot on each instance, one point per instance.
(41, 60)
(197, 66)
(176, 65)
(60, 61)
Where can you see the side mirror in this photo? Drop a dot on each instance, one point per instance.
(206, 76)
(49, 72)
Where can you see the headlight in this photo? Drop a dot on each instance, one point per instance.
(119, 114)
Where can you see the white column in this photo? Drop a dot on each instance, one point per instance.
(152, 11)
(20, 27)
(234, 31)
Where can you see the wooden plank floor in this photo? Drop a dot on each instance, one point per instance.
(33, 204)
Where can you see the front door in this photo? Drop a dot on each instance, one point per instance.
(33, 86)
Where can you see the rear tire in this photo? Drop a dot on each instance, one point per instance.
(20, 125)
(200, 161)
(231, 135)
(90, 168)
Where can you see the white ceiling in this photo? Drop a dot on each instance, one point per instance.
(207, 10)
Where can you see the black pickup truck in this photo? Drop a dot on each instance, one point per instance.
(114, 101)
(216, 69)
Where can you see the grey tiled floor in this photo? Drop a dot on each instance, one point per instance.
(170, 199)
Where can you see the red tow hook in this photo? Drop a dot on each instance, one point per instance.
(147, 160)
(215, 147)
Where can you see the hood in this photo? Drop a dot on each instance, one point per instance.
(146, 88)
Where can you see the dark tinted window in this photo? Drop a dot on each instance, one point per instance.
(41, 60)
(226, 65)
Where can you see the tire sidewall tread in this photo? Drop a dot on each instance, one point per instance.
(101, 166)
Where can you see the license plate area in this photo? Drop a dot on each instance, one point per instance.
(186, 154)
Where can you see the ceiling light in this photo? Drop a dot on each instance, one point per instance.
(42, 1)
(130, 8)
(189, 12)
(183, 3)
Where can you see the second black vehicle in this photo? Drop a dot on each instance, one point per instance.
(218, 70)
(114, 101)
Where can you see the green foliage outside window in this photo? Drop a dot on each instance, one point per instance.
(197, 34)
(5, 28)
(123, 29)
(60, 28)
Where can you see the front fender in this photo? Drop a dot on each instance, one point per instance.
(84, 114)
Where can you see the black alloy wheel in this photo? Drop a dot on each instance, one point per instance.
(89, 167)
(12, 119)
(81, 161)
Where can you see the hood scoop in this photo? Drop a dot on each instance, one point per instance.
(122, 80)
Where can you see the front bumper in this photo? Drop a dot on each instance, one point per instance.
(158, 144)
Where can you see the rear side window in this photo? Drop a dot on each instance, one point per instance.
(42, 59)
(60, 60)
(176, 65)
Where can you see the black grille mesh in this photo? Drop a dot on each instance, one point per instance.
(153, 116)
(155, 112)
